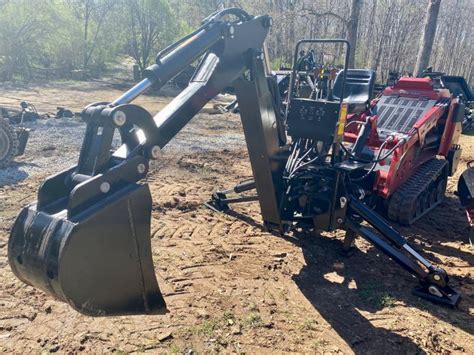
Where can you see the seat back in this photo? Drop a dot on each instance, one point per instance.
(359, 85)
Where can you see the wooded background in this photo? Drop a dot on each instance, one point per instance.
(57, 38)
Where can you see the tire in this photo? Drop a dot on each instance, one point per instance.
(8, 143)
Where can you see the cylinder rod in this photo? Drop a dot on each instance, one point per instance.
(133, 93)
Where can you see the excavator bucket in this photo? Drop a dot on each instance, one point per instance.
(98, 260)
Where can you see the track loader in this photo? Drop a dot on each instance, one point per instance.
(86, 240)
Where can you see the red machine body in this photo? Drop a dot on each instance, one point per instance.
(421, 123)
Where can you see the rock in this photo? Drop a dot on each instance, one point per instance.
(165, 336)
(236, 329)
(202, 313)
(48, 147)
(268, 325)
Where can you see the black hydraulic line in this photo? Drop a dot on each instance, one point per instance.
(206, 24)
(402, 141)
(216, 72)
(241, 14)
(372, 168)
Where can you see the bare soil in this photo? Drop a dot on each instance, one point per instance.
(230, 286)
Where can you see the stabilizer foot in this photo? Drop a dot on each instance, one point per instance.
(446, 295)
(217, 202)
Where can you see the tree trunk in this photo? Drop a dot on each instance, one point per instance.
(429, 31)
(352, 30)
(86, 36)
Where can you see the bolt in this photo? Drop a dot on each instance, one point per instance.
(104, 187)
(231, 30)
(141, 168)
(340, 220)
(155, 152)
(119, 118)
(436, 277)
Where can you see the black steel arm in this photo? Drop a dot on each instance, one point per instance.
(231, 55)
(88, 234)
(224, 45)
(433, 280)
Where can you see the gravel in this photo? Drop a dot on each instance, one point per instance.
(54, 144)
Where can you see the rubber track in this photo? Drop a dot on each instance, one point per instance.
(402, 201)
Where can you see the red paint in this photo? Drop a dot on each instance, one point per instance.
(409, 156)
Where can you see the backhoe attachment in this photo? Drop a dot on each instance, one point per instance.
(86, 240)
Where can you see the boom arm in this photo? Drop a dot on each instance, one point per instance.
(229, 49)
(88, 234)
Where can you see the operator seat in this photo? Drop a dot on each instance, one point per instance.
(358, 90)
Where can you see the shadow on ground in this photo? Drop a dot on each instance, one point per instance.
(13, 173)
(370, 281)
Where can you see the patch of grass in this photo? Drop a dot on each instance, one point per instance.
(174, 349)
(283, 294)
(308, 324)
(228, 315)
(253, 307)
(208, 327)
(318, 344)
(387, 301)
(368, 292)
(254, 320)
(375, 294)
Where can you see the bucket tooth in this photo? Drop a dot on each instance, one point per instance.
(99, 260)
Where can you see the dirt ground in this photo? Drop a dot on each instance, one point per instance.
(229, 285)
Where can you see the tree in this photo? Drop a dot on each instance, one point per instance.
(93, 13)
(150, 25)
(427, 38)
(352, 27)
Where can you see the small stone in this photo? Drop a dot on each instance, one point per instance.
(202, 313)
(236, 329)
(165, 336)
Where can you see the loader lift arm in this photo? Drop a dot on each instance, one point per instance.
(86, 240)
